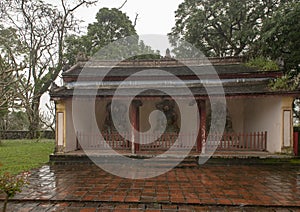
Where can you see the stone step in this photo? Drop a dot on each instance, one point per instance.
(60, 159)
(188, 162)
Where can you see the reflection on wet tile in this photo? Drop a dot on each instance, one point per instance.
(237, 184)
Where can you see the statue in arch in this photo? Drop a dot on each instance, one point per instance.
(170, 120)
(119, 110)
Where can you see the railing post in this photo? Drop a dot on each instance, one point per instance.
(77, 135)
(265, 140)
(262, 141)
(255, 141)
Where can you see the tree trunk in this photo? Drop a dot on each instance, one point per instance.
(5, 203)
(34, 119)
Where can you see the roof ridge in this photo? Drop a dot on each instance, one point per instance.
(163, 62)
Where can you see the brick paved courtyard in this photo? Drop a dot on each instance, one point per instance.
(209, 187)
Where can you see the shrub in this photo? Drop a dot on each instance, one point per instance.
(263, 64)
(284, 83)
(11, 185)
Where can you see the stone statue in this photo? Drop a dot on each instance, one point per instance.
(119, 110)
(168, 108)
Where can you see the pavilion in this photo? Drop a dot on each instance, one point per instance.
(258, 118)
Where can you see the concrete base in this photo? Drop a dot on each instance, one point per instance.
(192, 160)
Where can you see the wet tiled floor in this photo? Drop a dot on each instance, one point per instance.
(125, 207)
(78, 187)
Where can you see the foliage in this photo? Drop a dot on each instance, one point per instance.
(296, 110)
(111, 25)
(9, 70)
(40, 29)
(11, 185)
(281, 37)
(23, 155)
(221, 27)
(285, 83)
(14, 120)
(263, 64)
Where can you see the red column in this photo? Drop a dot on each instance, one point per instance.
(135, 122)
(296, 137)
(201, 139)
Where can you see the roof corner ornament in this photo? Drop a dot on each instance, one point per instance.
(168, 54)
(66, 67)
(81, 57)
(53, 87)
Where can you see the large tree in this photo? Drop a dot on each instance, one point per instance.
(221, 27)
(280, 37)
(258, 29)
(280, 40)
(41, 29)
(111, 25)
(9, 72)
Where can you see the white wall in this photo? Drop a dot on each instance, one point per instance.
(264, 114)
(260, 114)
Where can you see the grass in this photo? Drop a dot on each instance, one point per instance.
(17, 156)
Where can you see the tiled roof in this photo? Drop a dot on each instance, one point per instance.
(237, 78)
(233, 89)
(180, 70)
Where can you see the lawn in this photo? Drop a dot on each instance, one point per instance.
(22, 155)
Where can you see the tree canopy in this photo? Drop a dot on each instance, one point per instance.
(280, 37)
(111, 25)
(262, 31)
(221, 27)
(9, 69)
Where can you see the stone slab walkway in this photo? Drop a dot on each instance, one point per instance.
(123, 207)
(206, 188)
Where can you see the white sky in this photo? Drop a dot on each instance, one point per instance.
(155, 16)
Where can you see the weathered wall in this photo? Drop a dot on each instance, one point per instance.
(266, 114)
(247, 115)
(70, 131)
(235, 109)
(100, 111)
(260, 114)
(146, 109)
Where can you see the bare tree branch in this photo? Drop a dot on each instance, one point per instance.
(48, 118)
(80, 4)
(135, 20)
(41, 29)
(122, 5)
